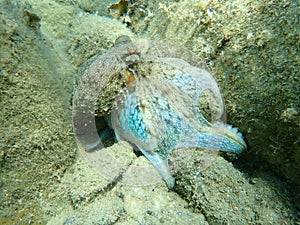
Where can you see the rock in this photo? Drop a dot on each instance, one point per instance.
(251, 48)
(223, 194)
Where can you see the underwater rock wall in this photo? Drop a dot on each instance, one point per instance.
(250, 46)
(37, 144)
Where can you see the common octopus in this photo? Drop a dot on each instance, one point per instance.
(156, 96)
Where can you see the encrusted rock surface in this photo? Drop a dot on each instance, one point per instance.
(251, 47)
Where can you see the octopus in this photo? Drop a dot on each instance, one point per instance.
(158, 97)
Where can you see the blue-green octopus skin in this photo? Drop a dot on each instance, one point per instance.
(160, 109)
(159, 115)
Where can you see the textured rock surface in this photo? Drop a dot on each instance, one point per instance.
(42, 46)
(225, 195)
(92, 201)
(37, 143)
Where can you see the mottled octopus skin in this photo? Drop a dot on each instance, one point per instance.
(159, 107)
